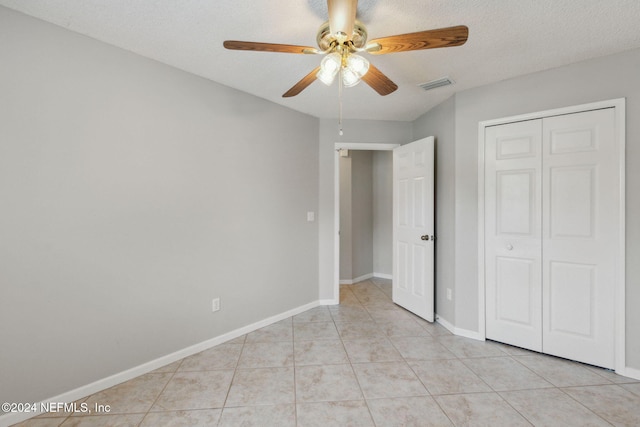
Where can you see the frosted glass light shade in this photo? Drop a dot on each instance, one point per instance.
(358, 65)
(349, 78)
(329, 68)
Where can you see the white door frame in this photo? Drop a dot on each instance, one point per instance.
(619, 105)
(336, 202)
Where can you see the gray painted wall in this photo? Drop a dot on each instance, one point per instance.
(362, 212)
(132, 194)
(610, 77)
(439, 122)
(382, 212)
(354, 131)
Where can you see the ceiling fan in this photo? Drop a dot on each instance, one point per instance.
(342, 37)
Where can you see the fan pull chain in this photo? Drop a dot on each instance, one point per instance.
(340, 103)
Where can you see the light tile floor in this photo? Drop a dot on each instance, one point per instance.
(366, 362)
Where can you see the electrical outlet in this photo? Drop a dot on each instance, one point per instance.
(449, 294)
(215, 306)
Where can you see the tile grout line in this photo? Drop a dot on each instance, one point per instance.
(354, 374)
(295, 369)
(462, 360)
(161, 391)
(235, 370)
(583, 405)
(433, 397)
(524, 417)
(388, 338)
(422, 382)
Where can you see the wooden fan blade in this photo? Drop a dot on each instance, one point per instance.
(342, 16)
(378, 81)
(302, 84)
(268, 47)
(430, 39)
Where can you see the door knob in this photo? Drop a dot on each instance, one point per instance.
(425, 237)
(509, 247)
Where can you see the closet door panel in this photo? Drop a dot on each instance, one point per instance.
(513, 234)
(580, 237)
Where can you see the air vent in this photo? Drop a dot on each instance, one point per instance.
(444, 81)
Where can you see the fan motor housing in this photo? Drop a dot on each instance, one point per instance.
(325, 39)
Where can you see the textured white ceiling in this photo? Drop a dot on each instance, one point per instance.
(507, 38)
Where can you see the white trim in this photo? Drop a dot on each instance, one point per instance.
(610, 103)
(329, 301)
(357, 279)
(620, 320)
(620, 291)
(336, 224)
(120, 377)
(365, 146)
(336, 201)
(459, 331)
(630, 373)
(447, 325)
(482, 319)
(365, 277)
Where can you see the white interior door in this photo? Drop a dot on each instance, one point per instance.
(552, 209)
(581, 202)
(413, 232)
(513, 247)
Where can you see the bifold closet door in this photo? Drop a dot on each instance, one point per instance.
(581, 199)
(552, 200)
(513, 245)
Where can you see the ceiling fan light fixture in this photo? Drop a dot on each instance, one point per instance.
(326, 77)
(358, 65)
(349, 78)
(329, 68)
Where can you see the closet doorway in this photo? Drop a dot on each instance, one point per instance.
(553, 232)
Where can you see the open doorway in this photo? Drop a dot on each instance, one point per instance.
(413, 234)
(363, 213)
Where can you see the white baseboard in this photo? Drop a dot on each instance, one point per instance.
(626, 372)
(329, 301)
(357, 279)
(459, 331)
(448, 326)
(105, 383)
(366, 277)
(630, 372)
